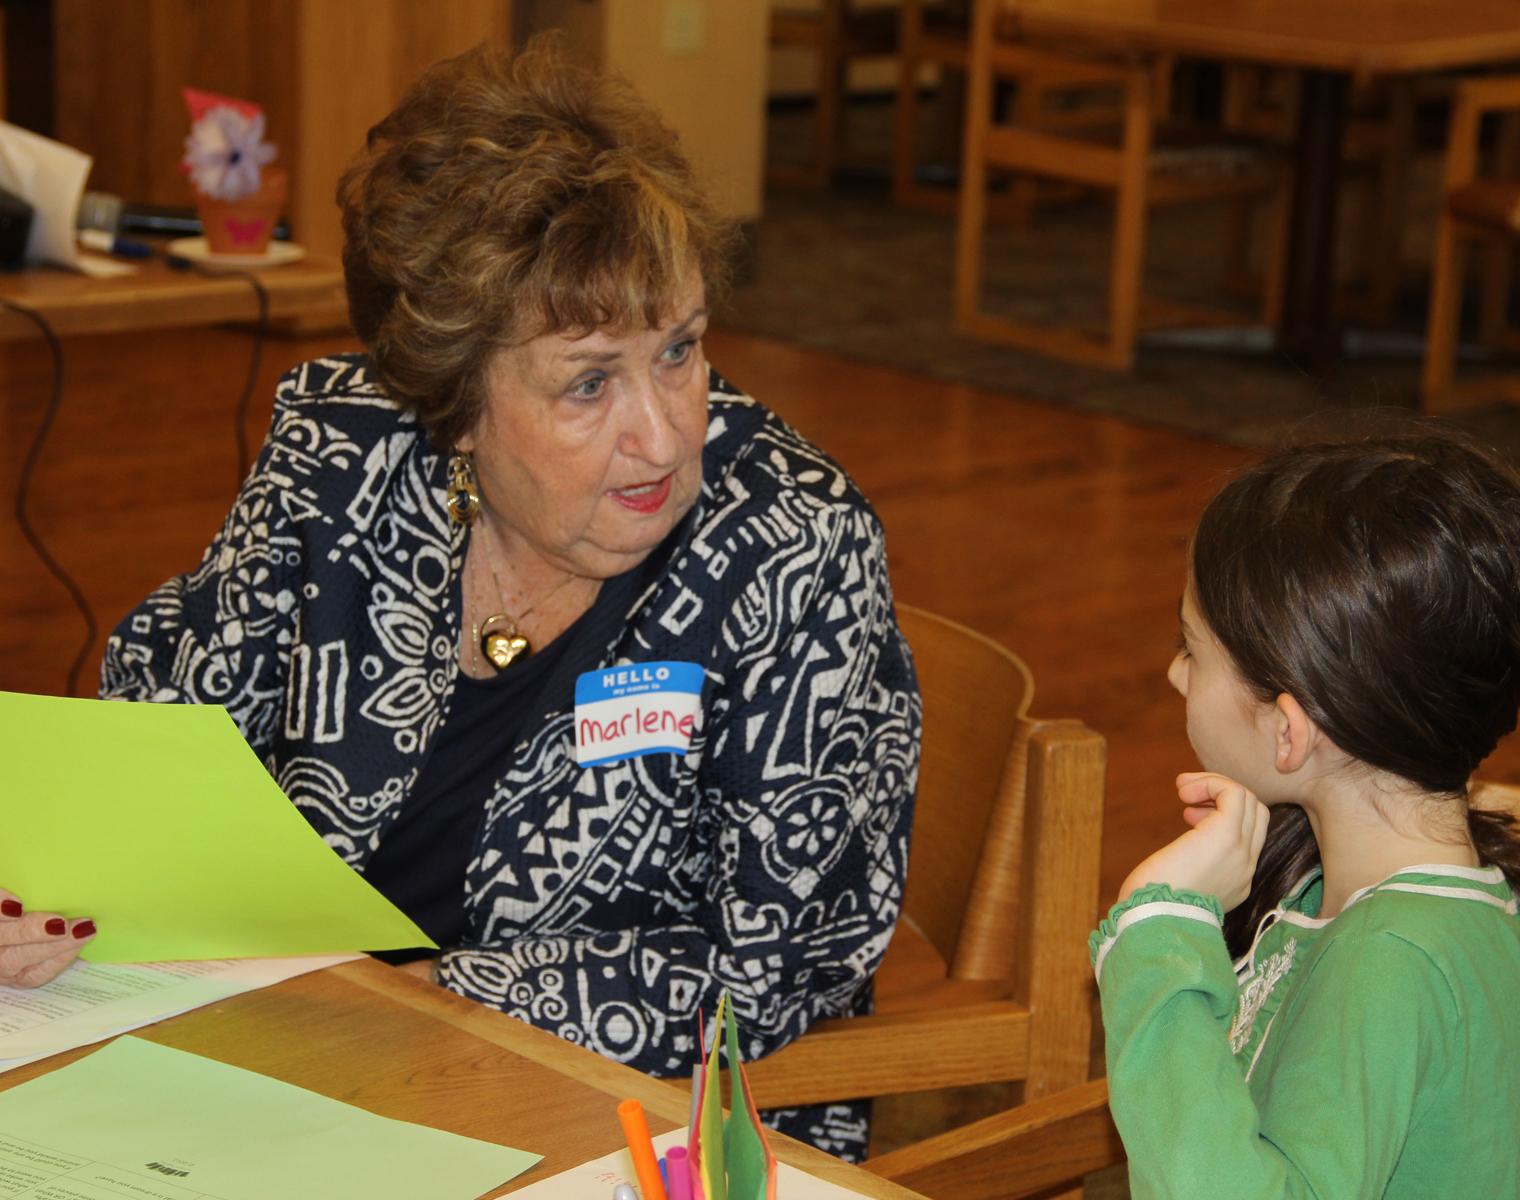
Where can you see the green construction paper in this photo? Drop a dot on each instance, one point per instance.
(711, 1117)
(160, 823)
(135, 1119)
(744, 1146)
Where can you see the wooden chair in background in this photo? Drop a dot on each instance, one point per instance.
(1127, 160)
(837, 32)
(929, 33)
(1478, 209)
(1377, 156)
(987, 978)
(1502, 796)
(937, 33)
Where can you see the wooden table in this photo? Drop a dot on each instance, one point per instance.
(1332, 42)
(369, 1035)
(158, 297)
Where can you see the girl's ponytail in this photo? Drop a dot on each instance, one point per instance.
(1496, 835)
(1288, 854)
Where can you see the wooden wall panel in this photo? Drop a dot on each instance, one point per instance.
(119, 69)
(323, 70)
(712, 94)
(357, 58)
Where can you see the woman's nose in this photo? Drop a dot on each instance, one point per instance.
(651, 434)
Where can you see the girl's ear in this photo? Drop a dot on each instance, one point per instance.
(1297, 735)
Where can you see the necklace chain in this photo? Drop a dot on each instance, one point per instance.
(513, 625)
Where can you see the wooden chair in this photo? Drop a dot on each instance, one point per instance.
(1502, 796)
(837, 31)
(1477, 209)
(938, 33)
(1377, 156)
(1030, 1150)
(987, 978)
(928, 33)
(1131, 163)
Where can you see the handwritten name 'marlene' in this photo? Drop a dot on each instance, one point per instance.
(636, 720)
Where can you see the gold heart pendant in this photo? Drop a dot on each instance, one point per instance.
(504, 648)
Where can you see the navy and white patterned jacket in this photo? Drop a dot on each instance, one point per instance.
(608, 904)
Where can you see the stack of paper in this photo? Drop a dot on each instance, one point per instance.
(135, 1119)
(91, 1002)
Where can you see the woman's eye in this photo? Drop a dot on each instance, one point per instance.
(589, 388)
(1182, 647)
(679, 352)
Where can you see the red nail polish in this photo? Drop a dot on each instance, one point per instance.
(84, 929)
(11, 908)
(55, 927)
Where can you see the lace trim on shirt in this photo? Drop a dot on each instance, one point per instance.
(1255, 990)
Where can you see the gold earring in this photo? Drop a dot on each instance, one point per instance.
(463, 500)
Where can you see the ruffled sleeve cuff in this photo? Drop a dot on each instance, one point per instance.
(1154, 900)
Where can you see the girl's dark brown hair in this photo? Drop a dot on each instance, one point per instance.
(1378, 583)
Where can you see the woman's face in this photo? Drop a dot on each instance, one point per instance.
(589, 449)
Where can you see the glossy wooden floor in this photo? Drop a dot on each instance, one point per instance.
(1059, 533)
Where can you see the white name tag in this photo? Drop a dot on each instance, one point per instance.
(644, 708)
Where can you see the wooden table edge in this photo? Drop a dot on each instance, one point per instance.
(669, 1099)
(158, 298)
(1361, 60)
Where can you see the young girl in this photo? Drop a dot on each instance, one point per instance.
(1350, 653)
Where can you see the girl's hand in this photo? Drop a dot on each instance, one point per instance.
(1217, 856)
(35, 947)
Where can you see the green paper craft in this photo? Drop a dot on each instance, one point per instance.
(159, 822)
(750, 1166)
(135, 1119)
(710, 1118)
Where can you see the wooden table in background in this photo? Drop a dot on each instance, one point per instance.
(158, 297)
(1332, 42)
(371, 1036)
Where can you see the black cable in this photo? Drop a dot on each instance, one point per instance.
(253, 374)
(55, 401)
(260, 330)
(240, 416)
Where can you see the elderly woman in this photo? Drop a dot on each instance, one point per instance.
(581, 656)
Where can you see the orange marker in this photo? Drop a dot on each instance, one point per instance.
(636, 1132)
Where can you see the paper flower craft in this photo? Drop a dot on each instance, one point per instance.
(225, 152)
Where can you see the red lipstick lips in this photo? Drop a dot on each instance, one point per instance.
(644, 498)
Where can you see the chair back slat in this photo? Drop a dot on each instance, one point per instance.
(975, 694)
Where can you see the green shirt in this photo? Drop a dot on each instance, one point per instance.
(1374, 1054)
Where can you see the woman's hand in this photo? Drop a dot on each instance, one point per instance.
(1217, 856)
(35, 947)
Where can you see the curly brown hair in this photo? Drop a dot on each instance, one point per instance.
(507, 197)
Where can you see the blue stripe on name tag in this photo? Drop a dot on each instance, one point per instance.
(610, 683)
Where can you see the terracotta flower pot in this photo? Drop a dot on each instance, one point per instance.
(244, 226)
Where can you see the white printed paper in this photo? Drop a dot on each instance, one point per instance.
(595, 1180)
(93, 1001)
